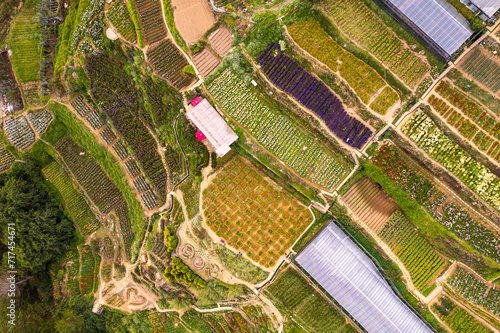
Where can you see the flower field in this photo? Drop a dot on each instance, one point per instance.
(169, 62)
(122, 102)
(276, 132)
(19, 132)
(6, 158)
(368, 30)
(444, 209)
(290, 77)
(415, 253)
(476, 291)
(292, 292)
(77, 207)
(482, 69)
(151, 20)
(88, 271)
(459, 320)
(314, 39)
(384, 100)
(251, 214)
(40, 120)
(119, 16)
(422, 130)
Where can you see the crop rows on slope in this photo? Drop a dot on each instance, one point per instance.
(19, 132)
(90, 175)
(289, 76)
(169, 62)
(79, 105)
(276, 132)
(121, 212)
(122, 101)
(40, 120)
(77, 207)
(6, 158)
(151, 20)
(118, 15)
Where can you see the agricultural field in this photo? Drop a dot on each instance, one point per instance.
(459, 320)
(80, 107)
(306, 305)
(120, 99)
(483, 69)
(221, 40)
(19, 132)
(476, 291)
(89, 270)
(9, 88)
(151, 20)
(31, 93)
(205, 61)
(369, 31)
(384, 101)
(311, 92)
(277, 133)
(422, 130)
(365, 81)
(119, 16)
(40, 120)
(24, 42)
(192, 18)
(76, 205)
(370, 203)
(169, 62)
(6, 158)
(72, 260)
(250, 213)
(417, 255)
(108, 256)
(121, 212)
(441, 206)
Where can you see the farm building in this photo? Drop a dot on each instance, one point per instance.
(488, 7)
(435, 21)
(211, 126)
(350, 277)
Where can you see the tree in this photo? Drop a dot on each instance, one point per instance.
(476, 23)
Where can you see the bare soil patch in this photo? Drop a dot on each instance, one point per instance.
(192, 18)
(206, 62)
(221, 40)
(370, 203)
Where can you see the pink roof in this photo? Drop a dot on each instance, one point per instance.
(195, 101)
(200, 136)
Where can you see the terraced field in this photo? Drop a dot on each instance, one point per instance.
(151, 20)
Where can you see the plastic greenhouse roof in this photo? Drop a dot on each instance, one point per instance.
(489, 7)
(438, 20)
(350, 277)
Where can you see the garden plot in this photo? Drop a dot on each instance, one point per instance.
(31, 93)
(422, 130)
(476, 291)
(384, 101)
(89, 271)
(81, 108)
(221, 40)
(422, 188)
(121, 212)
(107, 135)
(311, 92)
(77, 207)
(40, 120)
(108, 256)
(205, 62)
(132, 168)
(6, 158)
(169, 62)
(192, 18)
(251, 214)
(140, 184)
(459, 320)
(72, 270)
(369, 31)
(149, 200)
(151, 20)
(120, 150)
(119, 16)
(370, 203)
(94, 120)
(277, 133)
(90, 175)
(483, 68)
(19, 132)
(10, 92)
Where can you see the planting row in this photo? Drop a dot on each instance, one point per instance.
(88, 271)
(19, 132)
(459, 320)
(369, 30)
(151, 20)
(312, 93)
(6, 158)
(475, 290)
(40, 120)
(422, 130)
(443, 208)
(81, 108)
(108, 257)
(417, 256)
(119, 16)
(169, 62)
(483, 69)
(384, 100)
(121, 212)
(115, 91)
(77, 207)
(276, 132)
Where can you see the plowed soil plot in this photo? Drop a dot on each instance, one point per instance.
(206, 62)
(221, 40)
(370, 203)
(151, 20)
(192, 18)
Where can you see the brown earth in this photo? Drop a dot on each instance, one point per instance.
(369, 202)
(205, 61)
(192, 18)
(221, 40)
